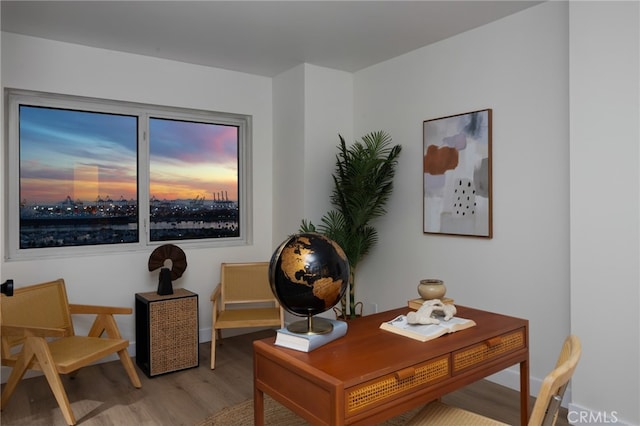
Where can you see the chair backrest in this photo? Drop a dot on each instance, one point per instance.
(246, 283)
(545, 409)
(40, 305)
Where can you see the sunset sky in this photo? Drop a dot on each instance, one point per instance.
(85, 155)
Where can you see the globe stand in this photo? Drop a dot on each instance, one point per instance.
(319, 326)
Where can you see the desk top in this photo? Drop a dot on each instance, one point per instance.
(367, 351)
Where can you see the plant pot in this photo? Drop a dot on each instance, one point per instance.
(346, 316)
(431, 289)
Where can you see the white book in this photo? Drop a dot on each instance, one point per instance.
(309, 342)
(424, 332)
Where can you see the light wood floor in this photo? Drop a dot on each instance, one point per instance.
(102, 394)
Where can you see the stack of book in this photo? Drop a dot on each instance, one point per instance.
(417, 303)
(309, 342)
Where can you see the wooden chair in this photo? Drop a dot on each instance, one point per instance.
(545, 409)
(37, 334)
(243, 298)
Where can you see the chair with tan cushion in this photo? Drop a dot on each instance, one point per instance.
(243, 298)
(38, 334)
(545, 409)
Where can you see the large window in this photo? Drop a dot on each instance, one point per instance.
(87, 175)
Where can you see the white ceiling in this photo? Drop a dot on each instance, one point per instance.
(256, 37)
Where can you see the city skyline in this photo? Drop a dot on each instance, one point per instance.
(86, 155)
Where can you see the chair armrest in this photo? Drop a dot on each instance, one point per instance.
(216, 292)
(25, 331)
(94, 309)
(104, 321)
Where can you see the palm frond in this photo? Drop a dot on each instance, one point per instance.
(363, 183)
(307, 226)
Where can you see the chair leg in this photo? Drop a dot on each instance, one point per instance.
(214, 332)
(41, 351)
(105, 323)
(17, 372)
(129, 368)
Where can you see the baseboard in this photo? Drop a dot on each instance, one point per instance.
(510, 378)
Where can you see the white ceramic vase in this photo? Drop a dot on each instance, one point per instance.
(431, 289)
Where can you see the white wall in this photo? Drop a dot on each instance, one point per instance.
(517, 66)
(288, 152)
(605, 214)
(328, 112)
(37, 64)
(312, 105)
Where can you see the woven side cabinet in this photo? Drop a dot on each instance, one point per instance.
(166, 332)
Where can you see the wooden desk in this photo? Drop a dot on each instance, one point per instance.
(371, 375)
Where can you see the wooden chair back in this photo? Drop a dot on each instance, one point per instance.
(545, 409)
(41, 305)
(246, 283)
(242, 299)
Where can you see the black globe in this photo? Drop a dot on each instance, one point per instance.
(308, 273)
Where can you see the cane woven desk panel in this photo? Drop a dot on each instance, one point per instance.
(398, 383)
(477, 354)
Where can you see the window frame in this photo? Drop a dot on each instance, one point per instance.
(15, 97)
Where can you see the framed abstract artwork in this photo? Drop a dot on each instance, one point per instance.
(457, 198)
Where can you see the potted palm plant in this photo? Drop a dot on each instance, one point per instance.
(363, 182)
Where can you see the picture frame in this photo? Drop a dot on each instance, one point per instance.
(457, 178)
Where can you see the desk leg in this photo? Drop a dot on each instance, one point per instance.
(258, 407)
(524, 392)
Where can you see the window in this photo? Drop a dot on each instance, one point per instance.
(181, 176)
(87, 175)
(70, 163)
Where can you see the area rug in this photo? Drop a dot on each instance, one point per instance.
(276, 415)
